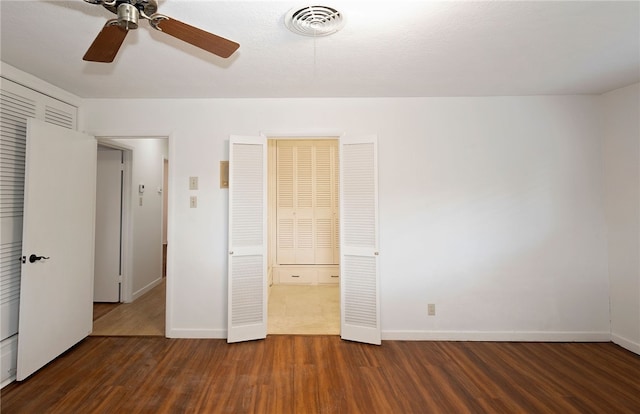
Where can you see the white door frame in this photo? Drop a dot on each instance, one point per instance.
(127, 215)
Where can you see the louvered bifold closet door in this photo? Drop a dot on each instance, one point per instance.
(247, 312)
(295, 212)
(17, 104)
(326, 202)
(360, 285)
(15, 110)
(307, 202)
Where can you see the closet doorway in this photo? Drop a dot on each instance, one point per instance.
(304, 239)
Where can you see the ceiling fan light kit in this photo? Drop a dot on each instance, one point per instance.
(106, 45)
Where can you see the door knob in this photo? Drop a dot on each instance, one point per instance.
(33, 258)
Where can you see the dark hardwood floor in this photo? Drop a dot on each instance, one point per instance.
(322, 374)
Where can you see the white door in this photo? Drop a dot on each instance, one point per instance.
(359, 285)
(56, 291)
(247, 296)
(108, 226)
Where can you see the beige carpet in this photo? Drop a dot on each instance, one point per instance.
(144, 317)
(304, 310)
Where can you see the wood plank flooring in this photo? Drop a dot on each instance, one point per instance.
(144, 316)
(322, 374)
(102, 308)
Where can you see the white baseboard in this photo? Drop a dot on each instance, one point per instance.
(497, 336)
(507, 336)
(626, 343)
(197, 333)
(145, 289)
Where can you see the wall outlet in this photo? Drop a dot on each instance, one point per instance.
(193, 202)
(431, 309)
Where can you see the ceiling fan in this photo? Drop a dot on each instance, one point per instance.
(106, 45)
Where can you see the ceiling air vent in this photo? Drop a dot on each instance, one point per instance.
(314, 21)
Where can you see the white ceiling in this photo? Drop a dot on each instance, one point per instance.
(387, 49)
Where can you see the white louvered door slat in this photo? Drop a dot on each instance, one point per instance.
(247, 313)
(360, 286)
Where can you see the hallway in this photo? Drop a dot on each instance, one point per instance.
(144, 317)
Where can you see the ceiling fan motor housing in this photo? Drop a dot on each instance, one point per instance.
(128, 16)
(129, 11)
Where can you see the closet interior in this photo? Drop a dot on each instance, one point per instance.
(304, 225)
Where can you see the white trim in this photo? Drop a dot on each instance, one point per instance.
(164, 194)
(330, 134)
(171, 207)
(29, 81)
(626, 343)
(197, 333)
(498, 336)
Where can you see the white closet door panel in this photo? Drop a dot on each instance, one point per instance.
(324, 241)
(335, 183)
(285, 207)
(324, 202)
(247, 312)
(305, 244)
(17, 105)
(323, 193)
(285, 252)
(360, 296)
(285, 177)
(59, 220)
(304, 175)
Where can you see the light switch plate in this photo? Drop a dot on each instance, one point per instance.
(193, 183)
(431, 309)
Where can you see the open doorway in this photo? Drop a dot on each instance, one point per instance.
(304, 257)
(248, 246)
(139, 269)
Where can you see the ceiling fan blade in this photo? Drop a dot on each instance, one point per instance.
(204, 40)
(106, 45)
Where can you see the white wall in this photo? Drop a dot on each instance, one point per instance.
(147, 163)
(621, 153)
(491, 208)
